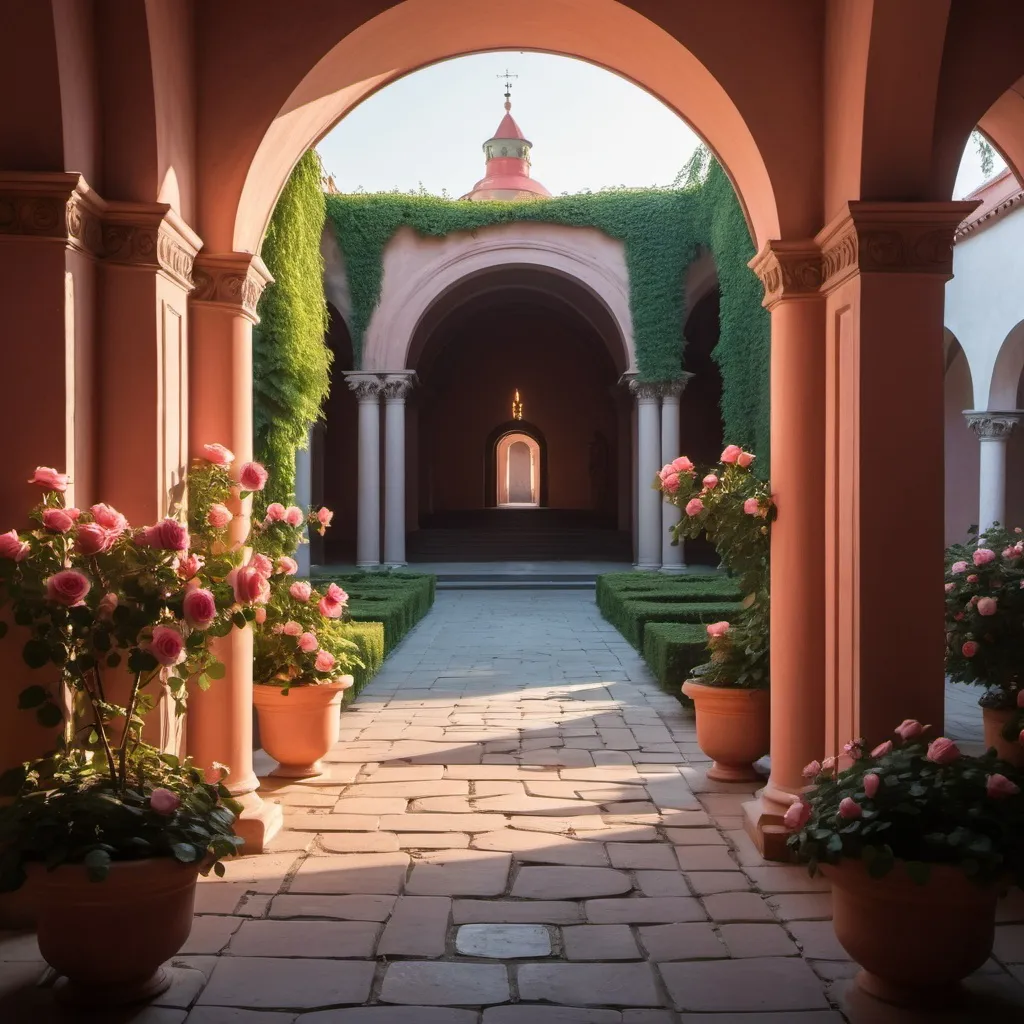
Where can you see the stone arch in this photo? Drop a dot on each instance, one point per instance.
(1006, 371)
(960, 444)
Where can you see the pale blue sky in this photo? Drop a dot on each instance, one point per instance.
(590, 128)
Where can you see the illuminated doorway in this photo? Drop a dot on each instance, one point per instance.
(517, 470)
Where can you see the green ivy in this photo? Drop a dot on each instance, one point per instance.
(291, 360)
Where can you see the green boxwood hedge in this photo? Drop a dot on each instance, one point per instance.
(673, 650)
(369, 638)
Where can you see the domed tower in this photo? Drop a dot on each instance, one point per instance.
(508, 164)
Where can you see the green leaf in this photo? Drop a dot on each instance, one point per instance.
(219, 869)
(835, 843)
(32, 697)
(185, 852)
(97, 864)
(216, 670)
(239, 620)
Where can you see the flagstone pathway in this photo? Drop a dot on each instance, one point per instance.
(516, 829)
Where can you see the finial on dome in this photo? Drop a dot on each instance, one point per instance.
(508, 76)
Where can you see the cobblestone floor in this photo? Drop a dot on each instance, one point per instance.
(516, 829)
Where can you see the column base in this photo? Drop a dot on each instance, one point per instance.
(647, 567)
(762, 821)
(258, 823)
(673, 569)
(395, 565)
(368, 566)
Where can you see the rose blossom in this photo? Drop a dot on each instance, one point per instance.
(68, 587)
(710, 481)
(12, 546)
(972, 579)
(959, 616)
(797, 815)
(307, 642)
(109, 518)
(751, 506)
(744, 459)
(294, 516)
(694, 507)
(682, 465)
(57, 520)
(998, 786)
(909, 729)
(300, 590)
(324, 517)
(958, 567)
(107, 606)
(263, 565)
(330, 609)
(164, 801)
(854, 748)
(218, 454)
(336, 594)
(871, 784)
(49, 479)
(190, 565)
(731, 453)
(169, 535)
(93, 539)
(718, 628)
(260, 616)
(969, 649)
(811, 770)
(671, 483)
(275, 512)
(249, 585)
(219, 516)
(987, 605)
(199, 608)
(882, 749)
(324, 661)
(1020, 698)
(287, 565)
(828, 764)
(167, 646)
(292, 628)
(942, 751)
(950, 587)
(849, 808)
(983, 556)
(253, 477)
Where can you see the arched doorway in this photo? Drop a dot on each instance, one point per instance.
(517, 467)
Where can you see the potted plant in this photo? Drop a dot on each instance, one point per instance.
(734, 509)
(96, 603)
(985, 630)
(918, 841)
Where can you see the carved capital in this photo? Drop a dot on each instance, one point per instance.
(672, 389)
(646, 390)
(150, 235)
(993, 426)
(367, 387)
(231, 281)
(891, 238)
(397, 385)
(788, 270)
(52, 206)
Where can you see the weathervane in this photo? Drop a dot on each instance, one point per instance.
(508, 76)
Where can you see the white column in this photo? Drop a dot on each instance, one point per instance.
(304, 495)
(396, 387)
(367, 388)
(671, 555)
(993, 430)
(648, 463)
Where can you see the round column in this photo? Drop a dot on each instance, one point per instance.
(396, 387)
(367, 388)
(672, 559)
(993, 430)
(304, 496)
(648, 396)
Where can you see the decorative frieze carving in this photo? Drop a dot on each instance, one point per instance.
(233, 281)
(367, 387)
(993, 426)
(54, 206)
(150, 235)
(788, 270)
(397, 385)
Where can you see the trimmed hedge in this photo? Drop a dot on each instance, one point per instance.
(636, 615)
(673, 650)
(369, 638)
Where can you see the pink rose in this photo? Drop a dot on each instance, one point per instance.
(300, 590)
(882, 749)
(751, 506)
(710, 481)
(694, 507)
(93, 539)
(68, 587)
(1020, 698)
(263, 565)
(969, 649)
(219, 516)
(287, 565)
(218, 454)
(199, 608)
(983, 556)
(107, 606)
(57, 520)
(325, 517)
(167, 645)
(190, 565)
(959, 616)
(950, 587)
(260, 616)
(958, 567)
(336, 594)
(972, 579)
(942, 751)
(253, 477)
(854, 748)
(1010, 552)
(671, 483)
(718, 628)
(49, 479)
(109, 518)
(324, 661)
(330, 609)
(871, 784)
(307, 642)
(744, 459)
(682, 465)
(292, 628)
(12, 546)
(828, 764)
(849, 808)
(250, 585)
(909, 729)
(797, 815)
(168, 535)
(811, 770)
(275, 512)
(987, 605)
(731, 453)
(999, 786)
(294, 516)
(164, 801)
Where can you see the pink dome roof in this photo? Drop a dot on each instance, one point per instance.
(507, 174)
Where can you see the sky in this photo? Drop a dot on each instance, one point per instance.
(589, 128)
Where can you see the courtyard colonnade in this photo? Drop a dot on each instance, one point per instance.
(140, 159)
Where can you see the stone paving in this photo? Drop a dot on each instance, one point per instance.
(516, 829)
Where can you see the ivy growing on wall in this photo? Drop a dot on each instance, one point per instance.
(291, 360)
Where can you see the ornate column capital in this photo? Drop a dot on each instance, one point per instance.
(52, 206)
(788, 270)
(151, 235)
(993, 426)
(232, 281)
(653, 390)
(890, 238)
(366, 387)
(672, 389)
(397, 385)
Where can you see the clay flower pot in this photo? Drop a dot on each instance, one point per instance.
(299, 727)
(732, 729)
(995, 721)
(915, 943)
(110, 939)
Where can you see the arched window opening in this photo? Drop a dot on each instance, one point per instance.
(517, 471)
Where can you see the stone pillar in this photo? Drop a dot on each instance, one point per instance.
(367, 388)
(993, 430)
(222, 312)
(672, 559)
(304, 495)
(648, 463)
(396, 387)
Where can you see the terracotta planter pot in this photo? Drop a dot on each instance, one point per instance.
(1009, 750)
(732, 729)
(110, 939)
(915, 943)
(297, 729)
